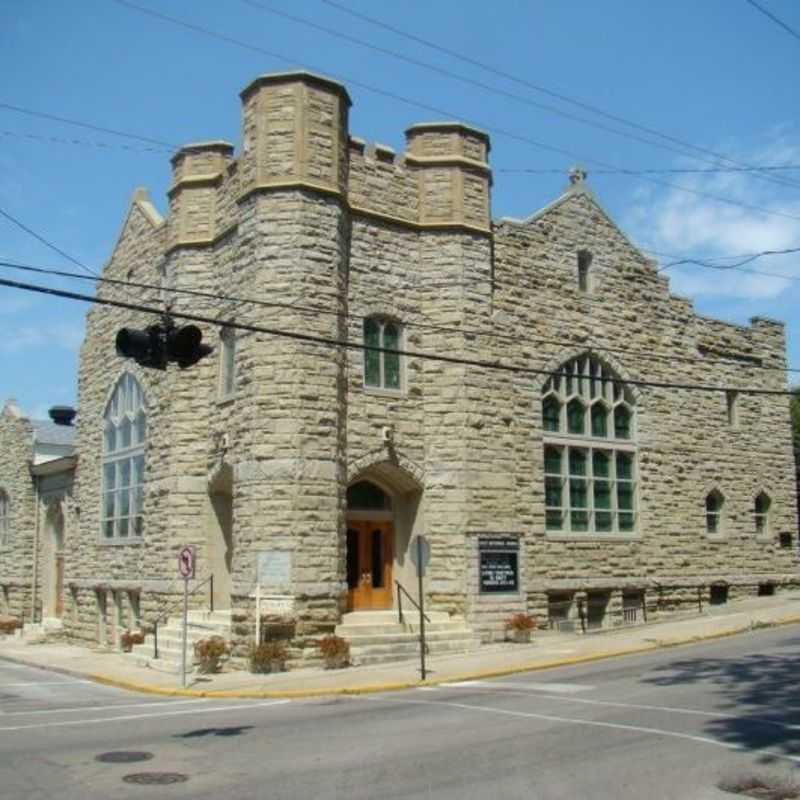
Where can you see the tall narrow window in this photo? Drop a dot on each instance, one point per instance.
(589, 455)
(584, 264)
(227, 375)
(124, 436)
(381, 369)
(714, 504)
(5, 522)
(761, 513)
(732, 403)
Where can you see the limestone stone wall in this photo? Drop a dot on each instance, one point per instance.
(16, 553)
(308, 231)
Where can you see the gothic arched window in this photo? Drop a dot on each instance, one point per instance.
(590, 475)
(124, 436)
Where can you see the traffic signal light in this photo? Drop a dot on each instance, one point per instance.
(156, 345)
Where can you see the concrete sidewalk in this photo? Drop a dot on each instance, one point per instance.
(547, 650)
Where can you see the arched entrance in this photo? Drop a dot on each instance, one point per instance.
(220, 535)
(370, 547)
(53, 572)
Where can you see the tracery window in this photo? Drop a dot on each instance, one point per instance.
(5, 518)
(382, 370)
(590, 470)
(124, 437)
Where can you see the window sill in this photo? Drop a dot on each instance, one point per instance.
(716, 537)
(379, 392)
(135, 540)
(592, 537)
(227, 400)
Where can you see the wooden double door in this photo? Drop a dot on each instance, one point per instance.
(370, 555)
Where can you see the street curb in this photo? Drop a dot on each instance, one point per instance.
(655, 644)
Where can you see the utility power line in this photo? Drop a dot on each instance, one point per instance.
(85, 143)
(100, 145)
(745, 260)
(47, 243)
(524, 82)
(328, 341)
(436, 110)
(653, 171)
(87, 125)
(775, 19)
(317, 311)
(483, 86)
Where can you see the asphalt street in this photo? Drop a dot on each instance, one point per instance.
(669, 724)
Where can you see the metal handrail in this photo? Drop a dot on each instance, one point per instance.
(401, 590)
(165, 613)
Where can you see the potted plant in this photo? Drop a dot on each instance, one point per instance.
(335, 651)
(521, 627)
(209, 653)
(9, 625)
(268, 657)
(129, 638)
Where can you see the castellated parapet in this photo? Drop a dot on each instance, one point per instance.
(310, 230)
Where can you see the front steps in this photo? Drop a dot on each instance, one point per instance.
(377, 637)
(200, 625)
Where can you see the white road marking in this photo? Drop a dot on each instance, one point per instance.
(537, 687)
(41, 683)
(126, 717)
(590, 723)
(557, 688)
(101, 708)
(427, 688)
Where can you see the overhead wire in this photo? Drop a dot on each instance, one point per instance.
(524, 81)
(486, 87)
(775, 19)
(407, 323)
(329, 341)
(46, 242)
(400, 98)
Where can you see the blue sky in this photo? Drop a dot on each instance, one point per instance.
(716, 74)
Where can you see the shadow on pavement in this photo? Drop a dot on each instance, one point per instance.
(232, 730)
(768, 684)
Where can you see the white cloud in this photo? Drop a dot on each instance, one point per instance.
(681, 223)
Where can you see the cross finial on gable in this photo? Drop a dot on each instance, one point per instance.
(577, 174)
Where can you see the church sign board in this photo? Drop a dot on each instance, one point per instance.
(498, 566)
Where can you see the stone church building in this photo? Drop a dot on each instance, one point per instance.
(555, 460)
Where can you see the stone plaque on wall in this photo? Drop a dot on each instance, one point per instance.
(498, 563)
(274, 571)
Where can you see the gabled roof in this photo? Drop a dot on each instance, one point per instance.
(46, 432)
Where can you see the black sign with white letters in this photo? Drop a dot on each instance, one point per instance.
(499, 563)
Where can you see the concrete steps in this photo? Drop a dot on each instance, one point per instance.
(378, 637)
(200, 625)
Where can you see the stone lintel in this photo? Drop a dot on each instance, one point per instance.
(295, 76)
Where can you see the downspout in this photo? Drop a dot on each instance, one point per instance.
(36, 493)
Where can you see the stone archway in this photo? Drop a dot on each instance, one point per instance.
(219, 536)
(53, 562)
(384, 513)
